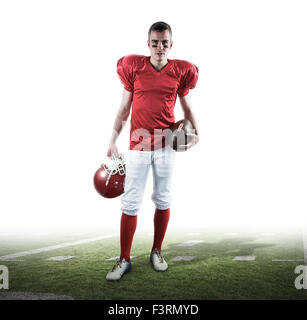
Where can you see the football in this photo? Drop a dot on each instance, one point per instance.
(178, 135)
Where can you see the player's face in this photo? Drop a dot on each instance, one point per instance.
(159, 44)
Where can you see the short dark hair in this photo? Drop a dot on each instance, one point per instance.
(160, 27)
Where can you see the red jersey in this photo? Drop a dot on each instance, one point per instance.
(154, 96)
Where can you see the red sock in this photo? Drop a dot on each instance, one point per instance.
(160, 222)
(127, 229)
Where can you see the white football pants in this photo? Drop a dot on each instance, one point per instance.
(137, 169)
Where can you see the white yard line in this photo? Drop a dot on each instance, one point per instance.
(58, 246)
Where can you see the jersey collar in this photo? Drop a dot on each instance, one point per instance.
(152, 67)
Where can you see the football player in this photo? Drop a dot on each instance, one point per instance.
(152, 83)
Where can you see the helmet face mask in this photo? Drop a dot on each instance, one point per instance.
(118, 167)
(109, 180)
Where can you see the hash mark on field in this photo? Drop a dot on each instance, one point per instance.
(58, 246)
(244, 258)
(183, 258)
(59, 258)
(189, 243)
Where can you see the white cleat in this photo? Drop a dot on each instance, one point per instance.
(120, 268)
(157, 260)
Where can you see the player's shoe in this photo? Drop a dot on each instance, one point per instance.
(120, 268)
(157, 260)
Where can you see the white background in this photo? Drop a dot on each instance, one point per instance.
(59, 94)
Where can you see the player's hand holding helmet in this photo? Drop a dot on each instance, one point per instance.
(112, 150)
(109, 180)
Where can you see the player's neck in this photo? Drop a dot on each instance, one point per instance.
(158, 65)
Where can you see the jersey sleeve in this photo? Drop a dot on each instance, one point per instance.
(188, 79)
(125, 72)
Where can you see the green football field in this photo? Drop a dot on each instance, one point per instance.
(210, 274)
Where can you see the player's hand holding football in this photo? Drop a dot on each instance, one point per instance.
(193, 140)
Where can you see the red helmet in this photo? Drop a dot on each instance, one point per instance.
(109, 180)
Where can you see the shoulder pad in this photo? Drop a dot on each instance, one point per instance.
(188, 76)
(134, 61)
(183, 66)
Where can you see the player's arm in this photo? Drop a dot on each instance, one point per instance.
(120, 121)
(186, 105)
